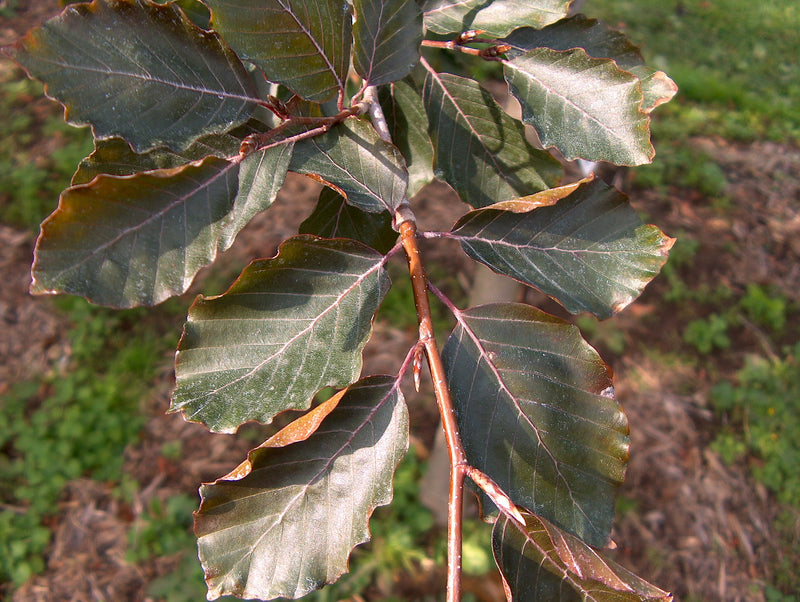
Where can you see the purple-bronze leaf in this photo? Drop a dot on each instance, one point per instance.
(480, 150)
(586, 107)
(387, 38)
(136, 240)
(495, 18)
(590, 250)
(539, 561)
(536, 413)
(288, 327)
(138, 70)
(302, 44)
(284, 523)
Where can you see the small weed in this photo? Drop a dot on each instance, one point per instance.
(763, 414)
(708, 334)
(602, 334)
(765, 308)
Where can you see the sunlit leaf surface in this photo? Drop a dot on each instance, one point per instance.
(387, 38)
(480, 150)
(288, 327)
(539, 561)
(140, 71)
(495, 18)
(590, 250)
(135, 240)
(588, 108)
(369, 172)
(302, 44)
(284, 523)
(536, 413)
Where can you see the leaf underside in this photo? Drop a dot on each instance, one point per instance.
(590, 251)
(135, 240)
(536, 413)
(480, 150)
(539, 561)
(588, 108)
(287, 527)
(182, 84)
(286, 328)
(351, 158)
(302, 44)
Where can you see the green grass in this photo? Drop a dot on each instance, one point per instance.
(734, 61)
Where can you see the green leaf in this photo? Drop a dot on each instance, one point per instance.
(496, 18)
(333, 217)
(284, 523)
(590, 251)
(599, 41)
(589, 108)
(408, 125)
(480, 150)
(135, 240)
(286, 328)
(140, 71)
(387, 39)
(302, 44)
(539, 561)
(351, 158)
(536, 413)
(115, 157)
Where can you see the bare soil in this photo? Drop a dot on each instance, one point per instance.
(696, 527)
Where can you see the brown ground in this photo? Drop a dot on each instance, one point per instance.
(699, 528)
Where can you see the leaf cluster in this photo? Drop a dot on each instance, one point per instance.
(198, 117)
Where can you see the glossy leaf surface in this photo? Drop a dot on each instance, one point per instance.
(284, 523)
(496, 18)
(302, 44)
(286, 328)
(135, 240)
(333, 217)
(480, 150)
(408, 125)
(536, 413)
(588, 108)
(139, 70)
(539, 561)
(387, 38)
(351, 158)
(599, 41)
(590, 250)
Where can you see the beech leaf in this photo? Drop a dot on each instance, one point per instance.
(536, 413)
(286, 328)
(589, 250)
(586, 107)
(539, 561)
(387, 39)
(599, 41)
(480, 150)
(496, 18)
(135, 240)
(140, 71)
(333, 217)
(284, 523)
(352, 159)
(302, 44)
(408, 125)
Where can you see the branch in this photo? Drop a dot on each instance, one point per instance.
(405, 222)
